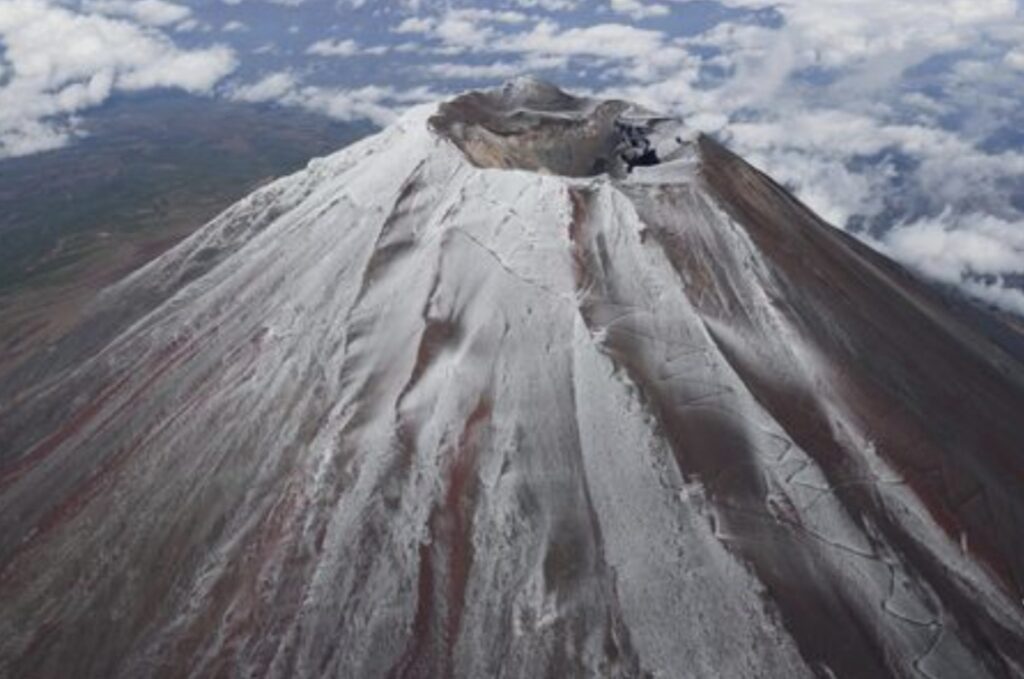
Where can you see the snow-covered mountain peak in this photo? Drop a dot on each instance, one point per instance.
(524, 385)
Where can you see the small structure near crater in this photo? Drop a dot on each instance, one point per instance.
(635, 148)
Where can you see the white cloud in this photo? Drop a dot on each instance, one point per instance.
(837, 32)
(640, 54)
(149, 12)
(334, 48)
(270, 88)
(497, 71)
(811, 149)
(870, 35)
(637, 10)
(602, 41)
(974, 251)
(479, 14)
(949, 247)
(1015, 58)
(502, 70)
(549, 5)
(415, 25)
(63, 62)
(344, 48)
(379, 105)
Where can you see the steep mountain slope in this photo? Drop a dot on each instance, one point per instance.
(468, 399)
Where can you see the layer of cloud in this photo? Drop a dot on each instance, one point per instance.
(344, 48)
(976, 252)
(334, 48)
(149, 12)
(638, 10)
(62, 62)
(376, 104)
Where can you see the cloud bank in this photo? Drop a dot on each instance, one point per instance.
(60, 62)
